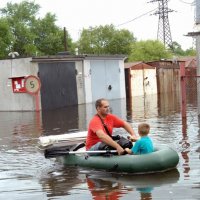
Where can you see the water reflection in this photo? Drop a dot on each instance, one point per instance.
(60, 120)
(145, 193)
(59, 182)
(26, 174)
(76, 118)
(185, 148)
(114, 186)
(20, 123)
(142, 107)
(168, 102)
(101, 189)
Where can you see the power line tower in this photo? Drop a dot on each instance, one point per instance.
(164, 33)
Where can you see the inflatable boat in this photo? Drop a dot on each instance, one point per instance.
(163, 158)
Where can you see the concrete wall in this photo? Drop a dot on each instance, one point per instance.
(87, 81)
(122, 79)
(10, 101)
(80, 82)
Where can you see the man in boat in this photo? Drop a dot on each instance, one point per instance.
(101, 127)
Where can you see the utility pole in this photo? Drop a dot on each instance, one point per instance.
(197, 23)
(196, 35)
(65, 39)
(164, 33)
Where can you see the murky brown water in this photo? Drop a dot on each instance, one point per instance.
(26, 174)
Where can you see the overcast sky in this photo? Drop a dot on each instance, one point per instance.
(134, 15)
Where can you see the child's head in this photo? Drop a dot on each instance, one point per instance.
(143, 129)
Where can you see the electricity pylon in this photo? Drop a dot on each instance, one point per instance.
(164, 33)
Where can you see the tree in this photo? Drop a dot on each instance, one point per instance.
(31, 36)
(105, 40)
(178, 51)
(49, 38)
(190, 52)
(5, 38)
(20, 18)
(148, 50)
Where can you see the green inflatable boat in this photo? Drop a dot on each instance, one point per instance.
(163, 158)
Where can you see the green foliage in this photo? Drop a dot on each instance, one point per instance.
(149, 50)
(5, 38)
(23, 32)
(190, 52)
(105, 40)
(28, 35)
(20, 18)
(49, 38)
(178, 51)
(23, 12)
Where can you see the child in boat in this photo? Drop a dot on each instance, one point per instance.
(144, 145)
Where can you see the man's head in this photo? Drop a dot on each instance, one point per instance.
(102, 107)
(143, 129)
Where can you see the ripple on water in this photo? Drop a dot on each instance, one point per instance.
(26, 174)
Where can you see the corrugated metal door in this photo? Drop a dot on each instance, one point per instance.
(58, 84)
(105, 79)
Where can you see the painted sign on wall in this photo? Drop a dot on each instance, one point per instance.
(32, 84)
(29, 84)
(18, 84)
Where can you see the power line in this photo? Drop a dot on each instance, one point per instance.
(135, 18)
(192, 3)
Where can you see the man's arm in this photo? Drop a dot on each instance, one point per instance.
(130, 130)
(109, 141)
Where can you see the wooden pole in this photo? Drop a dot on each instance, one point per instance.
(65, 39)
(183, 89)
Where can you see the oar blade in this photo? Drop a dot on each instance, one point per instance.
(62, 150)
(56, 151)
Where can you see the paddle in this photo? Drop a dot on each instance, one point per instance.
(52, 154)
(67, 150)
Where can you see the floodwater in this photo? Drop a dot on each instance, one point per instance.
(26, 174)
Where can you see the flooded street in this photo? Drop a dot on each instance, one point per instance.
(26, 174)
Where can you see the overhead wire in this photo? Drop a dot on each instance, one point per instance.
(135, 18)
(191, 3)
